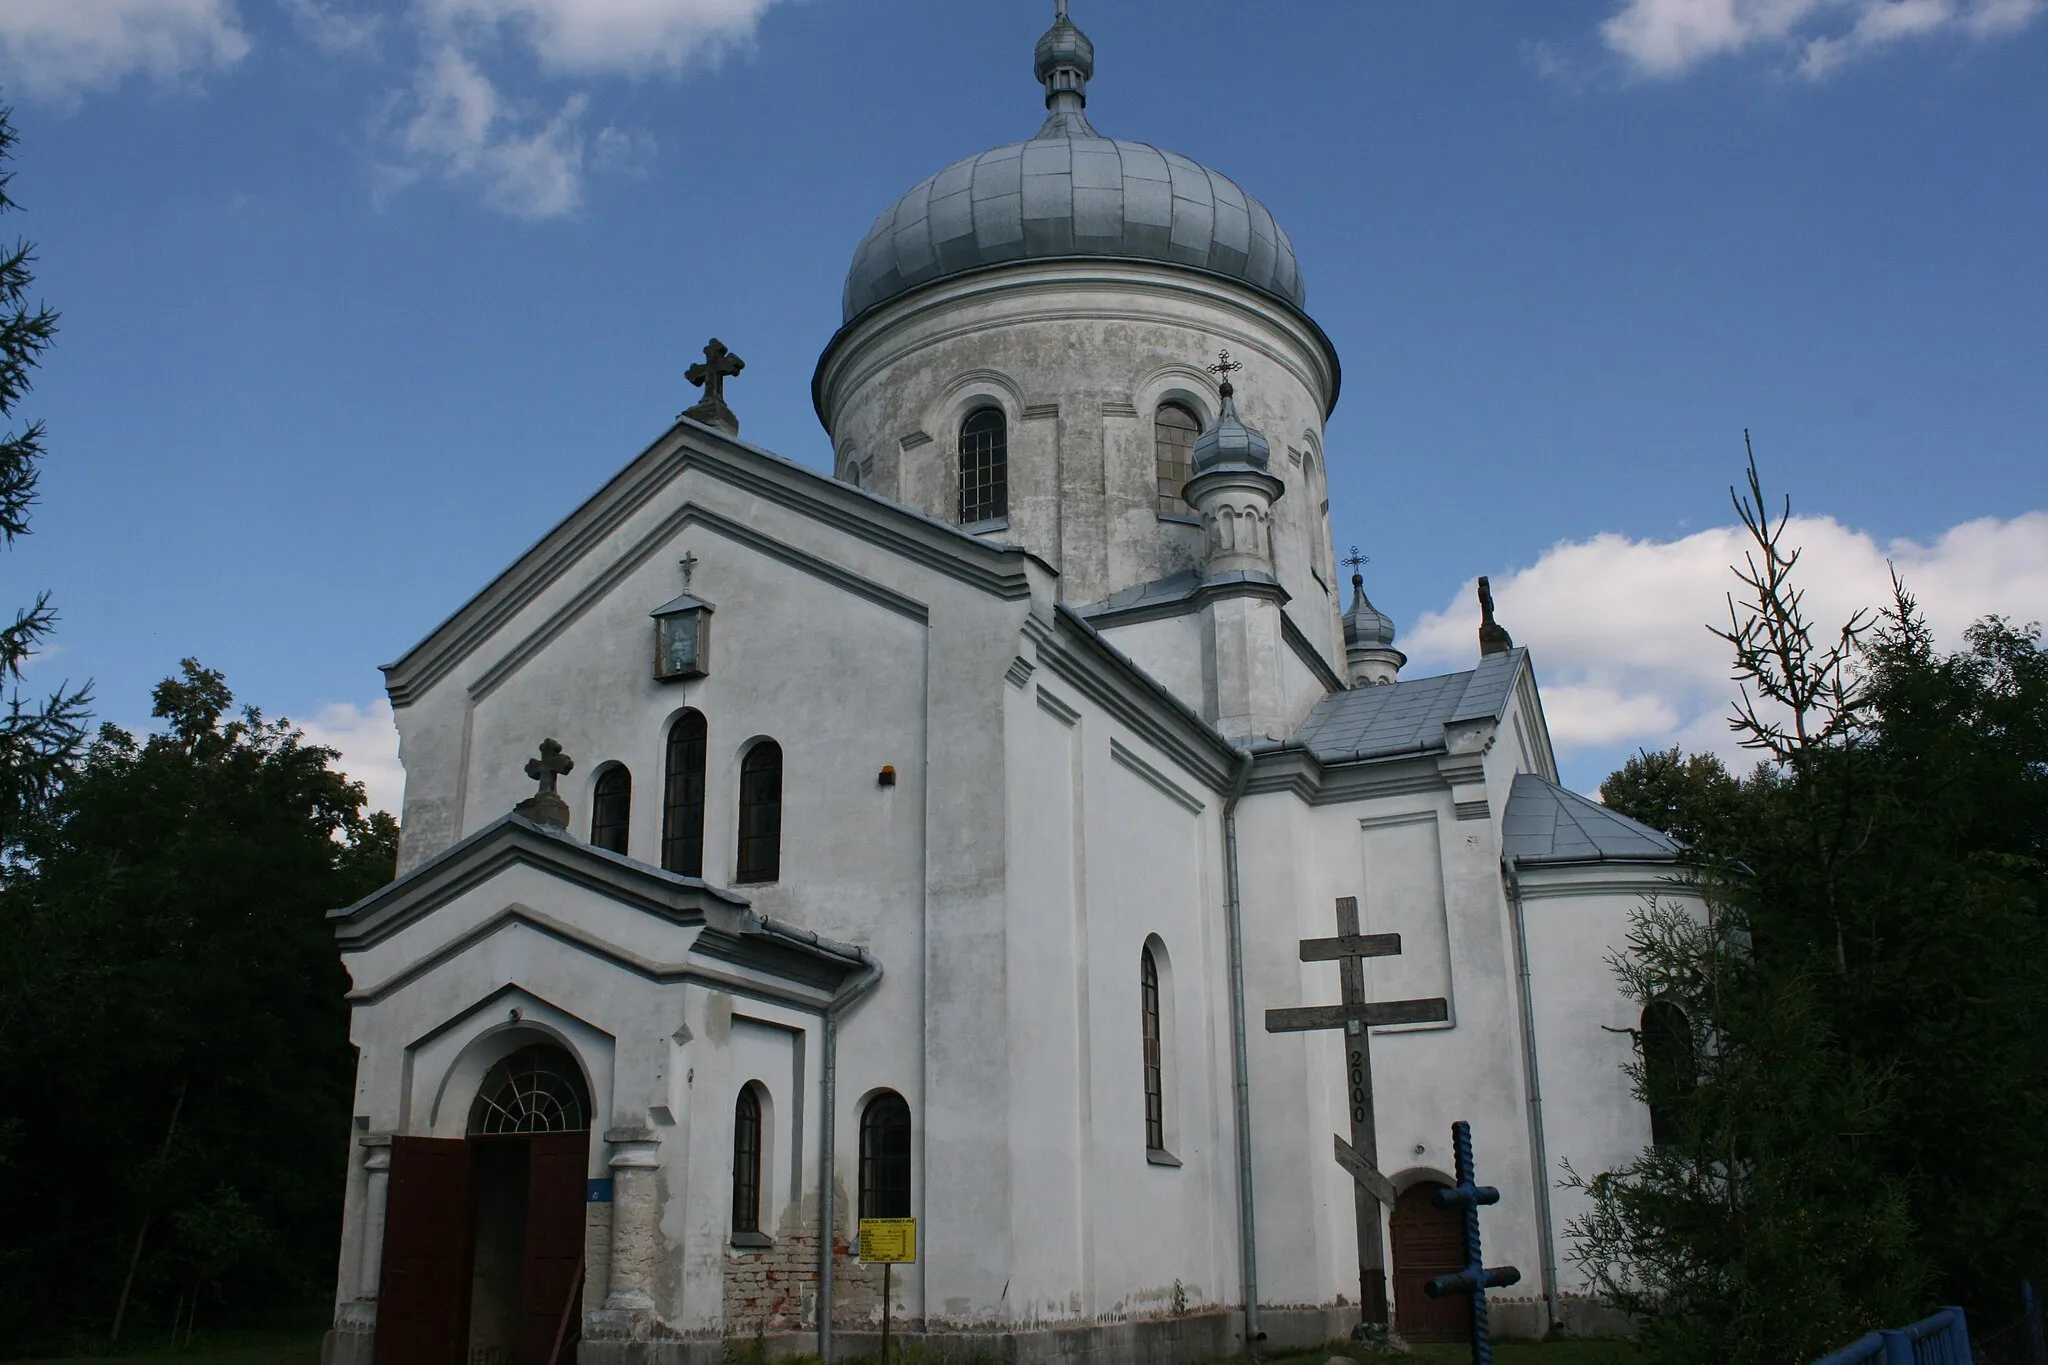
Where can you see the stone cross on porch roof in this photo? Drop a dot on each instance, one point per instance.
(710, 374)
(546, 806)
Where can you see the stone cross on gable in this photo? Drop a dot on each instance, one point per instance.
(551, 764)
(689, 563)
(546, 806)
(1360, 1156)
(710, 374)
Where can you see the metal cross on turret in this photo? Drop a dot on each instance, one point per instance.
(1477, 1277)
(710, 374)
(1360, 1156)
(1355, 561)
(1224, 367)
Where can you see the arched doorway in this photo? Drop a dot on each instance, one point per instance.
(1427, 1242)
(483, 1242)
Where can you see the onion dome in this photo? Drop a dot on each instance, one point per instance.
(1369, 639)
(1229, 442)
(1071, 193)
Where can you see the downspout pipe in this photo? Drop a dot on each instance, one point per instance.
(1247, 1223)
(849, 993)
(1538, 1146)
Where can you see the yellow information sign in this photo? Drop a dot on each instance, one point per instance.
(888, 1241)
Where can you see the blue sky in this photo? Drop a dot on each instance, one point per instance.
(359, 299)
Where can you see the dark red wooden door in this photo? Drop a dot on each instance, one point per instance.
(556, 1165)
(1428, 1241)
(423, 1292)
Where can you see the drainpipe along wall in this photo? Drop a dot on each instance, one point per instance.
(1248, 1248)
(1538, 1148)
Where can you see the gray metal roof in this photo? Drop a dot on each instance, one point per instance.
(1408, 716)
(1066, 193)
(1544, 823)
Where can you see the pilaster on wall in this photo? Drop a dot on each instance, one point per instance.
(1245, 678)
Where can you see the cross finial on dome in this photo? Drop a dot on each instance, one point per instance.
(1063, 61)
(1225, 367)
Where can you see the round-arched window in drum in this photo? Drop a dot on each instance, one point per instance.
(1174, 429)
(538, 1089)
(984, 467)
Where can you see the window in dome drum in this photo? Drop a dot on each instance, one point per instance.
(984, 467)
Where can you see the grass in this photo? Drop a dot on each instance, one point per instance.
(1578, 1351)
(246, 1347)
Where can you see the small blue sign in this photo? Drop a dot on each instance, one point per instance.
(597, 1191)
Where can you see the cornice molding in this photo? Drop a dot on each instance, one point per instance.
(1073, 652)
(515, 841)
(857, 344)
(992, 568)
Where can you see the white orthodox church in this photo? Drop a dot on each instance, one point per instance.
(931, 838)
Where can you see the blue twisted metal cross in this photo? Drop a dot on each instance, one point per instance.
(1477, 1277)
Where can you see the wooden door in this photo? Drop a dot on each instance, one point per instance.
(423, 1291)
(1428, 1241)
(556, 1166)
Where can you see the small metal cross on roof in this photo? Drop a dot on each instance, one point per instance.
(551, 765)
(1355, 560)
(1224, 367)
(689, 563)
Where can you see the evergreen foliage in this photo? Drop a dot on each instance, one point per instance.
(1858, 1136)
(173, 1043)
(37, 738)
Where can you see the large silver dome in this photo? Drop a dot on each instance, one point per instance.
(1071, 192)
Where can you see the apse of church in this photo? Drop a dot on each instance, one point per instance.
(783, 848)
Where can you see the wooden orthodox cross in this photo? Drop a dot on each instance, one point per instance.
(1360, 1156)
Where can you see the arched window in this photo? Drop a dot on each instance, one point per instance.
(984, 466)
(1174, 430)
(746, 1160)
(611, 805)
(885, 1157)
(761, 814)
(537, 1089)
(1669, 1068)
(682, 797)
(1155, 1079)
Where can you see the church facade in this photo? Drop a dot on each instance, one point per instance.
(929, 839)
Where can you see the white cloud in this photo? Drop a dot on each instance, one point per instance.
(464, 131)
(608, 36)
(1618, 627)
(1670, 37)
(368, 743)
(62, 48)
(333, 30)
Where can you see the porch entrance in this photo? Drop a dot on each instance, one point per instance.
(1427, 1242)
(483, 1235)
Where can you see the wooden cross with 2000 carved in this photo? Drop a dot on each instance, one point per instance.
(1360, 1156)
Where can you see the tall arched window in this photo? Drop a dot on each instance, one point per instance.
(1155, 1079)
(611, 805)
(760, 857)
(682, 797)
(885, 1157)
(984, 466)
(1174, 430)
(1669, 1068)
(746, 1160)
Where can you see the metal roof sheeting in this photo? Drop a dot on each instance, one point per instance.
(1072, 195)
(1544, 823)
(1408, 716)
